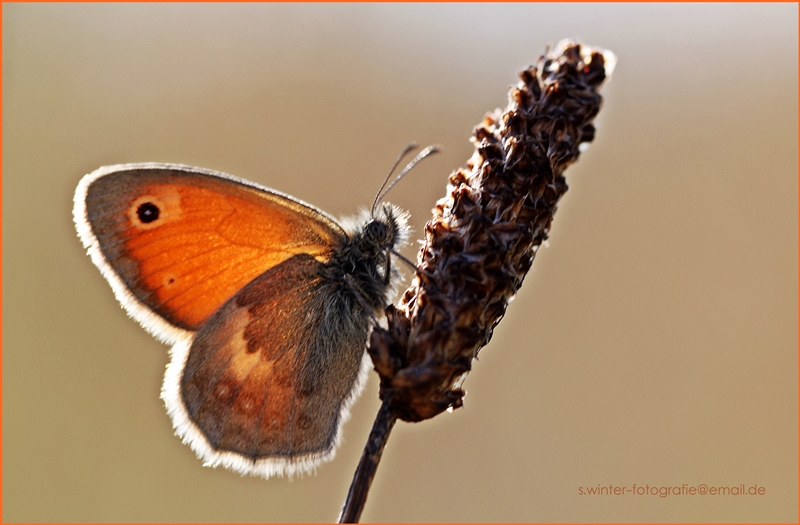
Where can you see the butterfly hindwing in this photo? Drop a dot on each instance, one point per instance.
(269, 374)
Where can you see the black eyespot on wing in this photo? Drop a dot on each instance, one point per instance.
(147, 212)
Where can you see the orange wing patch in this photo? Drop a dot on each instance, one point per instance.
(184, 247)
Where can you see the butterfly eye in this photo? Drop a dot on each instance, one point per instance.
(377, 232)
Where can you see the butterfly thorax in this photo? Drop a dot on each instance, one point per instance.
(360, 262)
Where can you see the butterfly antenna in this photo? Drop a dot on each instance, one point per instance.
(430, 150)
(394, 166)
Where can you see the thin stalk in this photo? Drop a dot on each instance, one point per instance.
(365, 472)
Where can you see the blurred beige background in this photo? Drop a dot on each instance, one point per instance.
(654, 342)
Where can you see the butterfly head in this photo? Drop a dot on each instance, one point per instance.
(387, 229)
(364, 255)
(376, 232)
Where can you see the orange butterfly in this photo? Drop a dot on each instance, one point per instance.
(267, 301)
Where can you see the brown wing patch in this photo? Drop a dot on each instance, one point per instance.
(268, 376)
(185, 242)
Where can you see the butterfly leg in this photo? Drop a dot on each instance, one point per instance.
(410, 263)
(387, 275)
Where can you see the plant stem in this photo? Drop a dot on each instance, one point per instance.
(365, 472)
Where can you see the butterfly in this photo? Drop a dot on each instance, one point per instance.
(266, 300)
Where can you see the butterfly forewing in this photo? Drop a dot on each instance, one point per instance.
(184, 241)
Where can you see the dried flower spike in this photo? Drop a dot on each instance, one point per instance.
(484, 234)
(481, 242)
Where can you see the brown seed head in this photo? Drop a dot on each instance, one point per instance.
(484, 234)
